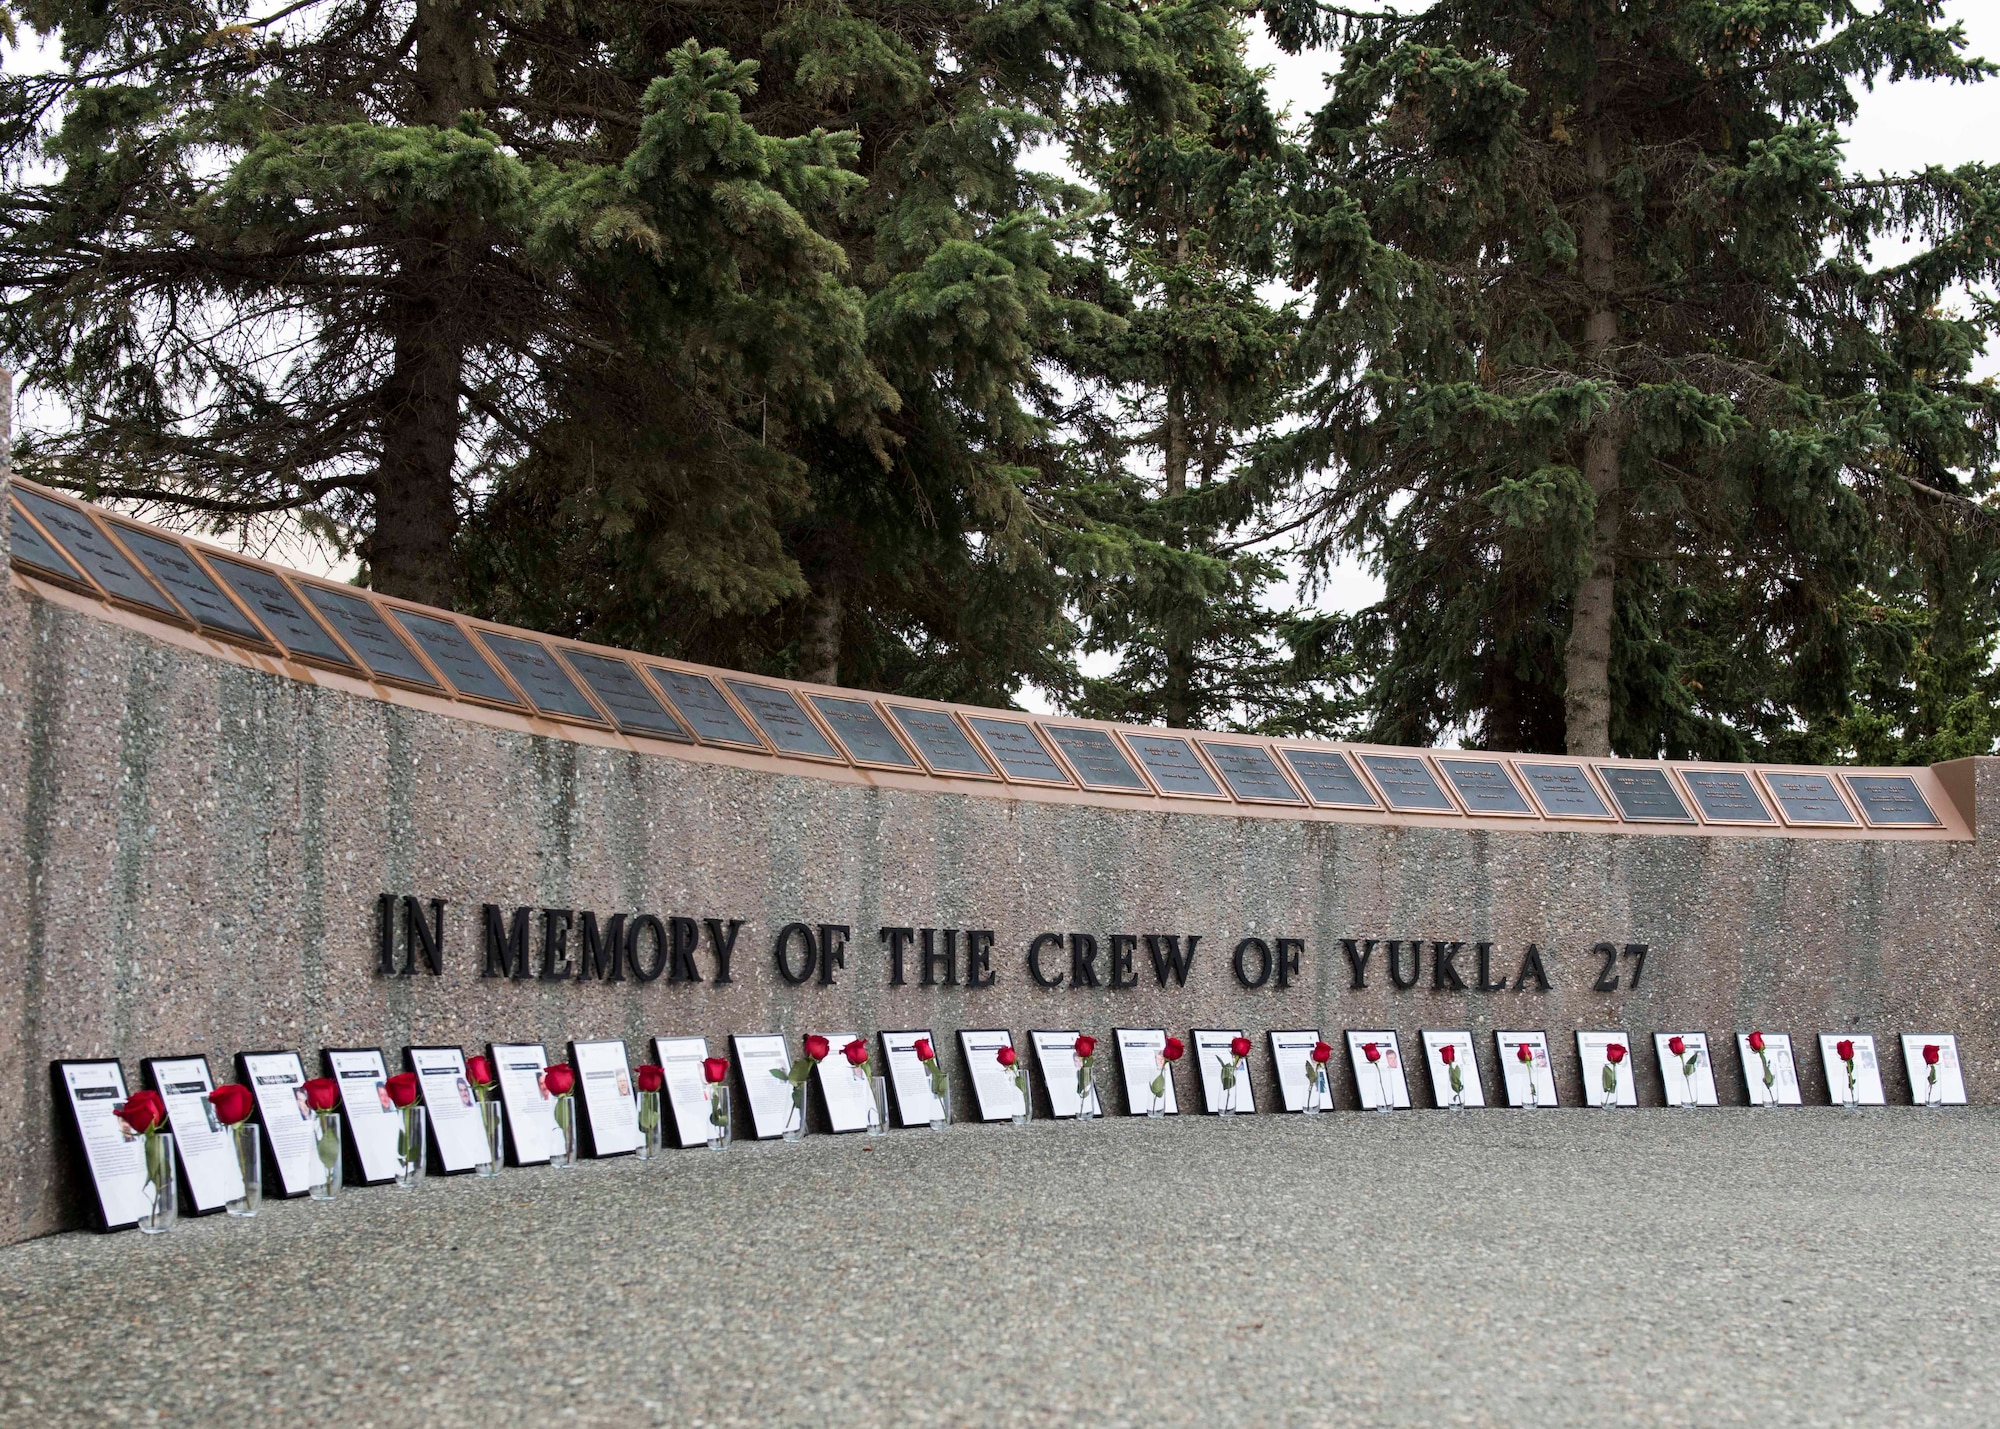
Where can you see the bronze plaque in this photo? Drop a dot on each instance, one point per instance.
(1564, 791)
(1484, 787)
(181, 575)
(361, 624)
(1807, 798)
(1174, 765)
(868, 740)
(1726, 796)
(91, 549)
(28, 547)
(463, 665)
(943, 743)
(1250, 774)
(1021, 756)
(1890, 800)
(789, 728)
(272, 601)
(1406, 782)
(621, 690)
(535, 670)
(1096, 758)
(705, 708)
(1644, 794)
(1330, 779)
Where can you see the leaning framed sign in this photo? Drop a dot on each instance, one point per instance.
(525, 1099)
(1068, 1088)
(1853, 1073)
(88, 1095)
(610, 1124)
(1377, 1061)
(369, 1124)
(1687, 1072)
(458, 1136)
(757, 1055)
(211, 1176)
(1526, 1071)
(1142, 1060)
(1770, 1075)
(1304, 1083)
(277, 1082)
(1937, 1073)
(1454, 1069)
(999, 1089)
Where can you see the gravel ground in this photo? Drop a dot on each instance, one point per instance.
(1796, 1267)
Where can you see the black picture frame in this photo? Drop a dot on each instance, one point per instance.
(1134, 1079)
(352, 1170)
(588, 1133)
(1286, 1100)
(914, 1034)
(510, 1119)
(434, 1162)
(1035, 1036)
(757, 1123)
(1502, 1051)
(1247, 1094)
(687, 1134)
(1475, 1085)
(1357, 1059)
(968, 1052)
(98, 1214)
(274, 1169)
(149, 1077)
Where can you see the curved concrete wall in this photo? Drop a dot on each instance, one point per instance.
(195, 849)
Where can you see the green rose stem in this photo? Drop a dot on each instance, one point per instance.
(562, 1115)
(156, 1164)
(327, 1143)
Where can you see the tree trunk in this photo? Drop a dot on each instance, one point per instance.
(1178, 696)
(1587, 656)
(819, 656)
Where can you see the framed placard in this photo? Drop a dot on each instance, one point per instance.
(1098, 761)
(369, 1126)
(98, 555)
(789, 728)
(211, 1176)
(458, 1137)
(860, 730)
(281, 612)
(542, 678)
(369, 634)
(1592, 1050)
(626, 696)
(909, 1083)
(1867, 1069)
(27, 546)
(1890, 801)
(1564, 791)
(844, 1089)
(1406, 782)
(609, 1125)
(530, 1111)
(993, 1086)
(193, 589)
(1248, 771)
(1807, 799)
(1055, 1055)
(1725, 796)
(1950, 1069)
(1176, 769)
(277, 1082)
(1330, 781)
(87, 1093)
(1484, 787)
(686, 1089)
(1022, 757)
(449, 648)
(1644, 794)
(1784, 1088)
(1141, 1058)
(1462, 1057)
(942, 743)
(705, 708)
(1674, 1080)
(757, 1055)
(1537, 1075)
(1210, 1049)
(1291, 1055)
(1383, 1079)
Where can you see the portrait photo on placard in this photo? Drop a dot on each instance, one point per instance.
(1852, 1072)
(1593, 1051)
(1687, 1072)
(1526, 1070)
(1454, 1077)
(1302, 1082)
(1142, 1060)
(1937, 1076)
(1770, 1070)
(1379, 1075)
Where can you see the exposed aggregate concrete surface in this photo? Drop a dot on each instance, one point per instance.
(1800, 1267)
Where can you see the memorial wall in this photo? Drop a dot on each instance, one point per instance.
(246, 810)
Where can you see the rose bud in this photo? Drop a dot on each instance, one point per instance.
(1239, 1046)
(713, 1069)
(231, 1102)
(1615, 1053)
(1371, 1051)
(1930, 1054)
(559, 1079)
(1007, 1056)
(478, 1071)
(856, 1052)
(924, 1051)
(1676, 1046)
(1085, 1045)
(1322, 1052)
(402, 1088)
(1756, 1041)
(652, 1078)
(322, 1093)
(142, 1111)
(1525, 1053)
(1844, 1050)
(1447, 1054)
(1174, 1049)
(817, 1047)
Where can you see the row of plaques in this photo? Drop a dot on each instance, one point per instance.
(89, 1091)
(340, 628)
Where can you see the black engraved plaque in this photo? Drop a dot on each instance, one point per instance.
(1095, 756)
(458, 657)
(868, 740)
(91, 549)
(536, 671)
(1173, 764)
(272, 601)
(1644, 795)
(1484, 787)
(706, 709)
(371, 637)
(789, 728)
(1887, 799)
(169, 563)
(1407, 784)
(30, 548)
(1808, 798)
(1726, 795)
(943, 743)
(1564, 791)
(1021, 755)
(621, 690)
(1330, 779)
(1250, 772)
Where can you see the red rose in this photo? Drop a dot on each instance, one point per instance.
(713, 1069)
(1371, 1051)
(322, 1093)
(403, 1088)
(478, 1072)
(651, 1078)
(817, 1047)
(1615, 1053)
(1676, 1046)
(559, 1079)
(1524, 1052)
(1844, 1050)
(142, 1111)
(1756, 1041)
(1007, 1056)
(1447, 1054)
(231, 1102)
(1930, 1054)
(925, 1052)
(856, 1052)
(1085, 1045)
(1239, 1046)
(1174, 1050)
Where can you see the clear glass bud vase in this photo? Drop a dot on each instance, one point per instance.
(562, 1151)
(651, 1126)
(718, 1116)
(326, 1155)
(940, 1106)
(160, 1196)
(248, 1140)
(1026, 1089)
(492, 1124)
(795, 1120)
(410, 1147)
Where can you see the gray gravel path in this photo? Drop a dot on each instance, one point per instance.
(1796, 1267)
